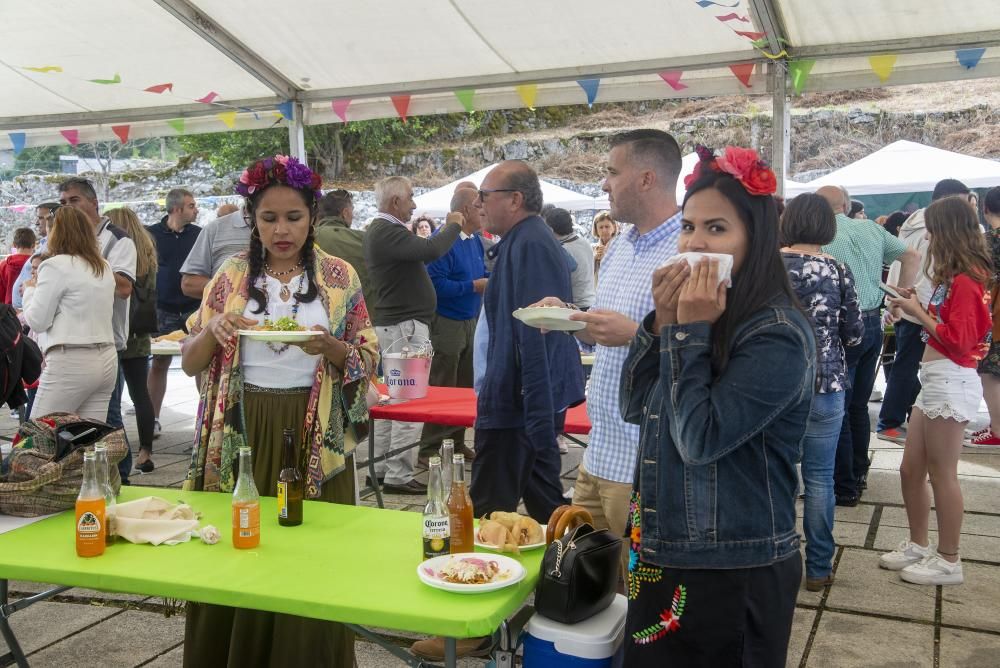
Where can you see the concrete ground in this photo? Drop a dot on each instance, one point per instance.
(868, 618)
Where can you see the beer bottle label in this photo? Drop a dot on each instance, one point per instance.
(437, 540)
(283, 500)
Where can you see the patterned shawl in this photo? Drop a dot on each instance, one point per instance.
(337, 415)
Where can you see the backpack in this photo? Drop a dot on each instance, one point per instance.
(20, 359)
(142, 309)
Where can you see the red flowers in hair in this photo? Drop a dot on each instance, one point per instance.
(743, 164)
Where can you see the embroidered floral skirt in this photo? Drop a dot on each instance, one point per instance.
(700, 617)
(216, 636)
(991, 363)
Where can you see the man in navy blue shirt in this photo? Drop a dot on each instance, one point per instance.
(174, 236)
(459, 279)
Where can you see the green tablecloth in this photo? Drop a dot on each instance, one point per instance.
(344, 563)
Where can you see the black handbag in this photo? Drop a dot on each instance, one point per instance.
(579, 575)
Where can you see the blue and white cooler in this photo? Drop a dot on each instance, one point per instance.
(591, 643)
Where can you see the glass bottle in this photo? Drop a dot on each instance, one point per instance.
(90, 511)
(246, 505)
(460, 510)
(437, 529)
(447, 455)
(104, 481)
(291, 487)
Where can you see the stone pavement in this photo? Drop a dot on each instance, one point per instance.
(868, 618)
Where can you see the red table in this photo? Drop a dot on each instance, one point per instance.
(452, 406)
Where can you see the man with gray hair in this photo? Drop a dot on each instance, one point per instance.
(174, 237)
(459, 278)
(865, 248)
(405, 302)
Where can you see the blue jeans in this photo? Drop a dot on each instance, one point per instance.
(115, 420)
(819, 451)
(855, 430)
(903, 386)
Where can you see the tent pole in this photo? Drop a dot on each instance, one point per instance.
(781, 123)
(296, 133)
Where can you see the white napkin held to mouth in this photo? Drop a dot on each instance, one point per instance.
(725, 263)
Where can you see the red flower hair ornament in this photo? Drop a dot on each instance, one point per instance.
(743, 164)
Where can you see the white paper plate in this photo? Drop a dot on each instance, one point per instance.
(494, 548)
(165, 348)
(279, 337)
(555, 318)
(511, 572)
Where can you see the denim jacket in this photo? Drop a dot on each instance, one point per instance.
(717, 454)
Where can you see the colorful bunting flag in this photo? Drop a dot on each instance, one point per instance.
(287, 110)
(229, 118)
(743, 72)
(799, 71)
(590, 87)
(208, 98)
(673, 79)
(160, 88)
(528, 93)
(122, 132)
(969, 58)
(107, 82)
(882, 66)
(752, 36)
(465, 97)
(19, 208)
(45, 69)
(72, 136)
(733, 16)
(17, 140)
(177, 124)
(340, 108)
(708, 3)
(402, 105)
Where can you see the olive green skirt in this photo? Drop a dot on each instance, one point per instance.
(216, 635)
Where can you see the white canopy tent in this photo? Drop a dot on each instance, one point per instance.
(908, 167)
(437, 202)
(106, 69)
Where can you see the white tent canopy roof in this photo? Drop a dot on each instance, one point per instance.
(437, 202)
(908, 167)
(254, 56)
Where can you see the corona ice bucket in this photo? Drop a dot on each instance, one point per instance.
(407, 367)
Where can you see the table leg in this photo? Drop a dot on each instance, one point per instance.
(371, 464)
(450, 652)
(15, 652)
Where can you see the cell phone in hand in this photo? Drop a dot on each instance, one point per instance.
(890, 291)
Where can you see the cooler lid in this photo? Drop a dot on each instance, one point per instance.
(594, 638)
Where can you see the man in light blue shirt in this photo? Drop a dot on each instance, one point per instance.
(641, 182)
(43, 218)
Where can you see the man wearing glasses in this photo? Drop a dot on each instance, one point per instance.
(43, 218)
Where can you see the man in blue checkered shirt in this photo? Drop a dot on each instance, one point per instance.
(641, 183)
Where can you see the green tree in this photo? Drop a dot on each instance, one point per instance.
(233, 151)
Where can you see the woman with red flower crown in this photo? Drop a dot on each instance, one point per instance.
(720, 380)
(252, 390)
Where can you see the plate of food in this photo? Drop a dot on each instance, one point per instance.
(470, 573)
(554, 318)
(282, 330)
(509, 532)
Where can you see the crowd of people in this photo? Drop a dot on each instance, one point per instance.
(704, 397)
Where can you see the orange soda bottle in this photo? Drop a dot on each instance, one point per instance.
(90, 518)
(246, 506)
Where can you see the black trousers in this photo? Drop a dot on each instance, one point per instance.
(509, 467)
(135, 370)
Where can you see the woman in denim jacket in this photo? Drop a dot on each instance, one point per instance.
(720, 381)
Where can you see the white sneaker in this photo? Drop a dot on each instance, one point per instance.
(876, 395)
(157, 429)
(907, 554)
(933, 570)
(563, 445)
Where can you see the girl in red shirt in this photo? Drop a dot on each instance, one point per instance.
(956, 323)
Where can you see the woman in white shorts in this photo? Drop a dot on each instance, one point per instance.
(956, 323)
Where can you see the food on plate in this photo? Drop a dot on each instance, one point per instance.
(283, 324)
(509, 531)
(175, 335)
(469, 570)
(565, 519)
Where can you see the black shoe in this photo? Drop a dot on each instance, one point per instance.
(368, 482)
(412, 487)
(145, 467)
(848, 501)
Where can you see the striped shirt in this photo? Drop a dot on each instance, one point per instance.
(624, 285)
(865, 247)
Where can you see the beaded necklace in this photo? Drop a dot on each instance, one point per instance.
(285, 294)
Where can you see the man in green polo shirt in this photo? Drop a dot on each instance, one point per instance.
(865, 248)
